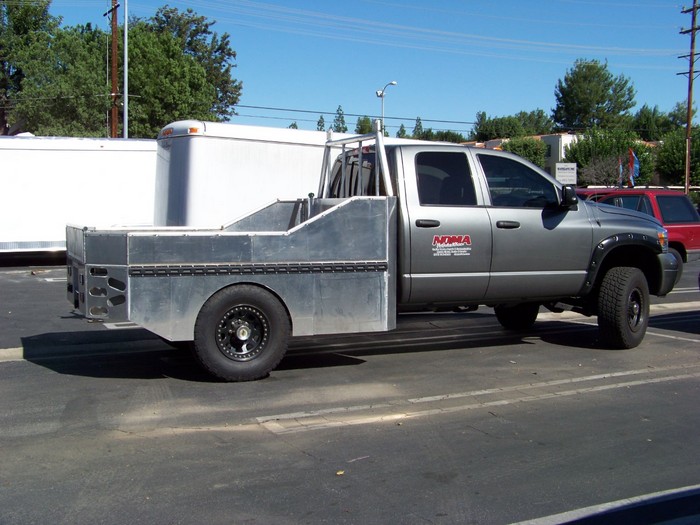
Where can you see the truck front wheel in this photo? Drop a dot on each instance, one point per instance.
(241, 333)
(623, 307)
(517, 317)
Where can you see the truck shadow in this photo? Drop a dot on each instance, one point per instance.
(687, 322)
(138, 354)
(126, 354)
(24, 259)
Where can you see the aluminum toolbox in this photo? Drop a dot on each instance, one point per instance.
(332, 263)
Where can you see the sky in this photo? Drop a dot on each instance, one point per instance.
(450, 59)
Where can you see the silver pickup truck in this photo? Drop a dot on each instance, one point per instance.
(394, 227)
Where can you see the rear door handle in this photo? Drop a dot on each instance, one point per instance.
(427, 223)
(507, 225)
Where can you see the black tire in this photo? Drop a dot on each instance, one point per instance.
(623, 308)
(679, 258)
(518, 317)
(241, 333)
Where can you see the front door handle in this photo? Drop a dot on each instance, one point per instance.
(507, 225)
(427, 223)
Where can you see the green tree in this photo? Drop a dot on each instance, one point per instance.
(519, 125)
(293, 125)
(364, 125)
(181, 90)
(528, 148)
(650, 123)
(24, 24)
(600, 153)
(339, 125)
(418, 128)
(449, 136)
(402, 133)
(425, 134)
(670, 157)
(589, 96)
(678, 116)
(65, 91)
(321, 124)
(535, 122)
(208, 49)
(179, 69)
(486, 128)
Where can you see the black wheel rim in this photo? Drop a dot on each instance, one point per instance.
(242, 333)
(635, 310)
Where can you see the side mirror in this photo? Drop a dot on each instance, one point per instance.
(569, 199)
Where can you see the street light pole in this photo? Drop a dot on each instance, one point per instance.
(381, 94)
(113, 124)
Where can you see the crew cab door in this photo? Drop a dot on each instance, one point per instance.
(446, 233)
(540, 248)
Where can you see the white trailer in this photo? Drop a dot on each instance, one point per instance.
(48, 182)
(208, 173)
(196, 173)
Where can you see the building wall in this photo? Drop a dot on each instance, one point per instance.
(556, 145)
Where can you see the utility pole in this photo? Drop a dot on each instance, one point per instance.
(691, 76)
(125, 118)
(114, 72)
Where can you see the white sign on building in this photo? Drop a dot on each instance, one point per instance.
(565, 172)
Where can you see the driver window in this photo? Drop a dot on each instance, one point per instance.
(512, 184)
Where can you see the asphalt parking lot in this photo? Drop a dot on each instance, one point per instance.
(447, 420)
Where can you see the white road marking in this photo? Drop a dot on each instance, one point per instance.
(11, 354)
(674, 337)
(398, 410)
(555, 382)
(120, 326)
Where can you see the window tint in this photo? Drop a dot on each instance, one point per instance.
(444, 179)
(513, 184)
(676, 209)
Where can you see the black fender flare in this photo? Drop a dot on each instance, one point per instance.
(605, 247)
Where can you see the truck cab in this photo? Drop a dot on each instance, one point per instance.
(479, 226)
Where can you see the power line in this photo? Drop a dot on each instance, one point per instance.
(316, 112)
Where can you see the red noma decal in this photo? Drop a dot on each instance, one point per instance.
(452, 240)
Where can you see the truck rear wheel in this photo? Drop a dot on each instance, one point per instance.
(517, 317)
(623, 307)
(241, 333)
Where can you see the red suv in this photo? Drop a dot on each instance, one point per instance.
(672, 208)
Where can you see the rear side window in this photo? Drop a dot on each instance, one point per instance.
(444, 179)
(513, 184)
(676, 209)
(361, 176)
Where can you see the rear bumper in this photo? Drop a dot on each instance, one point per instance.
(668, 273)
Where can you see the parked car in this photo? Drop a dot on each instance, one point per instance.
(594, 194)
(672, 208)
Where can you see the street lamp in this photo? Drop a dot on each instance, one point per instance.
(381, 94)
